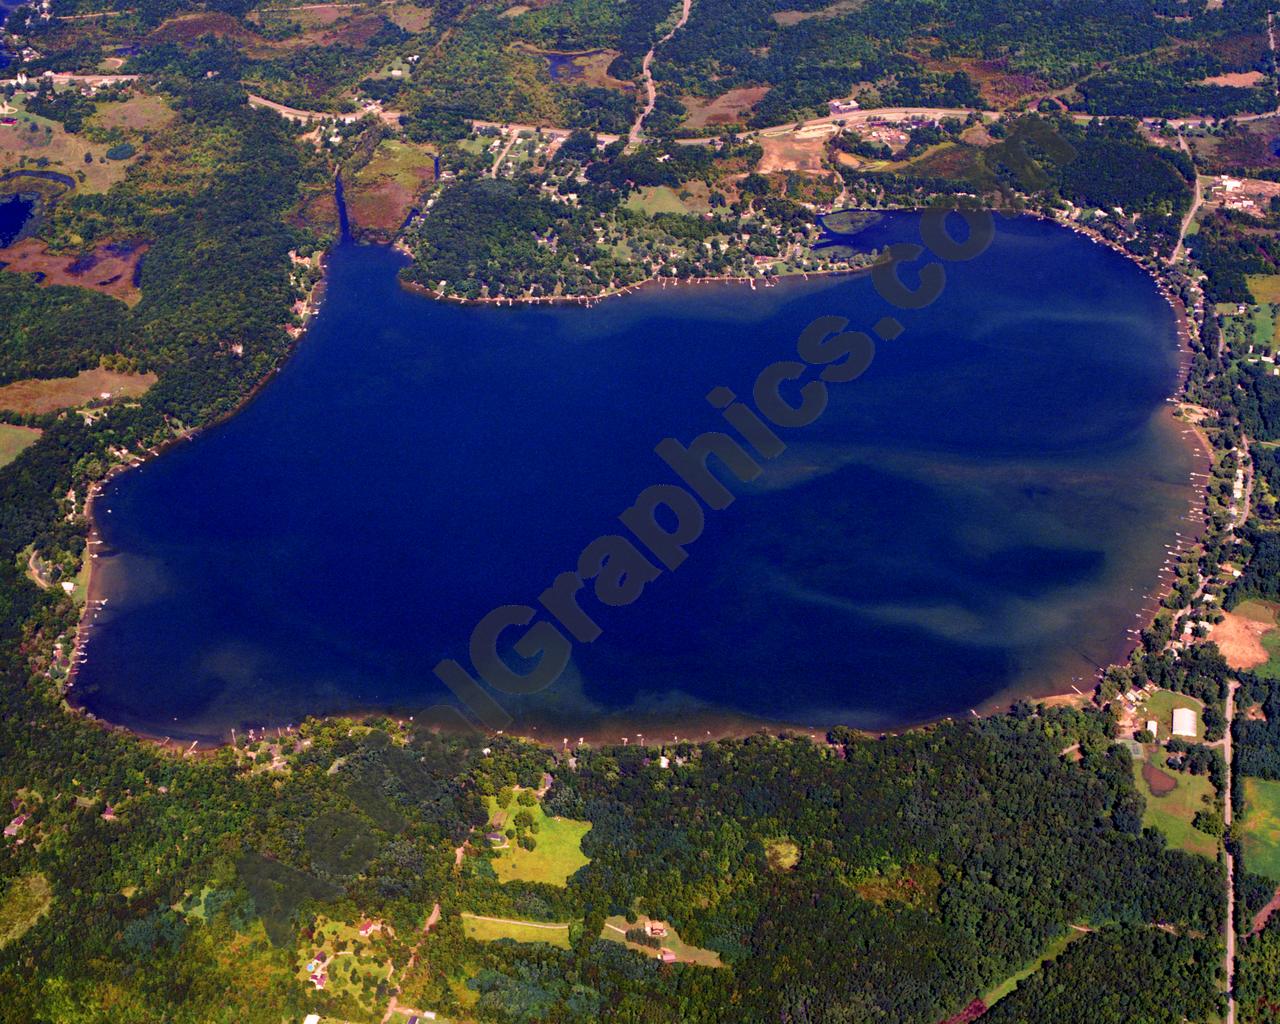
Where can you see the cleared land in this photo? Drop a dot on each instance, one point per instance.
(137, 113)
(1240, 634)
(40, 396)
(13, 440)
(1264, 287)
(729, 107)
(487, 929)
(23, 902)
(615, 930)
(352, 965)
(1174, 806)
(1260, 827)
(558, 853)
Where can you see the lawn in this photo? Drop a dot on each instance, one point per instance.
(1265, 287)
(1051, 952)
(1260, 827)
(1160, 706)
(487, 929)
(13, 440)
(616, 927)
(1172, 812)
(137, 113)
(1265, 613)
(354, 965)
(557, 855)
(22, 903)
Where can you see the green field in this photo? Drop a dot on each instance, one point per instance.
(484, 929)
(22, 903)
(558, 853)
(1172, 813)
(13, 440)
(1051, 952)
(1160, 706)
(615, 930)
(656, 199)
(1260, 827)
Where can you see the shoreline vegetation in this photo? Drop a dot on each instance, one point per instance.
(694, 727)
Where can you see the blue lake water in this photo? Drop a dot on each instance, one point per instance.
(977, 516)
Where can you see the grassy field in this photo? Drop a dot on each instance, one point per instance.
(22, 903)
(137, 113)
(1160, 706)
(1172, 812)
(13, 440)
(1260, 827)
(615, 930)
(34, 139)
(486, 929)
(40, 396)
(1265, 287)
(354, 965)
(1051, 952)
(656, 199)
(558, 853)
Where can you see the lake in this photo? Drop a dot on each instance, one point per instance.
(979, 515)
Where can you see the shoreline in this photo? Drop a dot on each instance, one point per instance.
(620, 729)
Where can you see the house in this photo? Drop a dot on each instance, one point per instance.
(843, 106)
(495, 837)
(368, 927)
(311, 1018)
(1184, 722)
(109, 814)
(666, 955)
(655, 929)
(12, 828)
(1153, 727)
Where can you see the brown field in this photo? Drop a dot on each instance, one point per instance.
(1161, 782)
(1240, 640)
(1248, 146)
(788, 18)
(728, 108)
(793, 152)
(41, 396)
(381, 195)
(138, 113)
(326, 29)
(999, 86)
(409, 17)
(1240, 79)
(106, 270)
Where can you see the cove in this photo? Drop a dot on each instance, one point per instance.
(981, 514)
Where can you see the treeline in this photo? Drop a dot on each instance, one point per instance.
(1021, 843)
(1117, 976)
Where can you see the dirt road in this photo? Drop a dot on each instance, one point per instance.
(637, 129)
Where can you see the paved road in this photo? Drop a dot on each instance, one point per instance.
(636, 134)
(1231, 865)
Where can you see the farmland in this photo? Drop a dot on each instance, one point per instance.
(1260, 827)
(13, 440)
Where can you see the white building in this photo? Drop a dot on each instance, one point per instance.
(1184, 722)
(1153, 727)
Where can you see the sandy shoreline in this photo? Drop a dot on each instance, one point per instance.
(700, 725)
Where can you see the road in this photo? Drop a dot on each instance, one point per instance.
(1196, 200)
(1231, 864)
(637, 129)
(523, 924)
